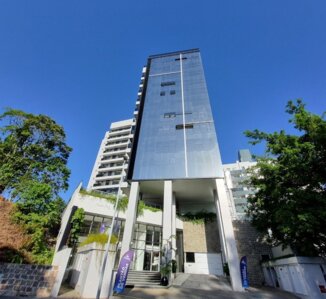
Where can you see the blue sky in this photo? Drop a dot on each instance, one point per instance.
(80, 62)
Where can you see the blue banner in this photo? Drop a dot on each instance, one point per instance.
(122, 274)
(244, 272)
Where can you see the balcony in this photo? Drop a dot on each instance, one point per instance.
(122, 132)
(123, 185)
(107, 178)
(113, 168)
(115, 153)
(117, 145)
(120, 138)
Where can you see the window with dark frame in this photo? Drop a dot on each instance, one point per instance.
(172, 92)
(170, 115)
(190, 257)
(162, 93)
(185, 126)
(183, 58)
(167, 83)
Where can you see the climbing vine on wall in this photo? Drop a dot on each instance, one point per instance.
(123, 202)
(76, 223)
(199, 217)
(142, 206)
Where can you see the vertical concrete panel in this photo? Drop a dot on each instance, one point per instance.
(167, 211)
(130, 217)
(230, 243)
(174, 231)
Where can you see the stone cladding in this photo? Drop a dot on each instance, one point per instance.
(249, 244)
(26, 280)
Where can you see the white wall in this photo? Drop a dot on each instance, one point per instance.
(87, 268)
(299, 275)
(60, 259)
(205, 263)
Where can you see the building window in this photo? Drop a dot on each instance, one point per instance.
(168, 83)
(185, 126)
(183, 58)
(162, 93)
(190, 257)
(265, 257)
(170, 115)
(172, 92)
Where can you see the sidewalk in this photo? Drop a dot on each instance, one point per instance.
(196, 286)
(187, 293)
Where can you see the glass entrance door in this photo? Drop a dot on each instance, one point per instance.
(147, 242)
(151, 261)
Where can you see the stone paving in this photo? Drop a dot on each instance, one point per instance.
(191, 286)
(196, 286)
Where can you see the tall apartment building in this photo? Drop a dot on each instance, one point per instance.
(111, 164)
(174, 165)
(112, 159)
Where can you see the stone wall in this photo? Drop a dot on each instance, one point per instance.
(201, 237)
(26, 280)
(249, 244)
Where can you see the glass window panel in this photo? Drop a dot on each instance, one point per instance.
(156, 241)
(85, 227)
(161, 150)
(149, 237)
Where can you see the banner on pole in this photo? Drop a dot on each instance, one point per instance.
(122, 274)
(244, 272)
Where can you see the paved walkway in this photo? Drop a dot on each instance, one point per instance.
(196, 286)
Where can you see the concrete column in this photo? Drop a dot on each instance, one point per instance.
(220, 228)
(173, 227)
(167, 211)
(130, 218)
(227, 228)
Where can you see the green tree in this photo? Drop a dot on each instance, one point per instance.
(290, 179)
(32, 147)
(33, 171)
(40, 215)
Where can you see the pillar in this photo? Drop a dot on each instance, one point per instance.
(226, 227)
(220, 228)
(130, 218)
(173, 227)
(167, 212)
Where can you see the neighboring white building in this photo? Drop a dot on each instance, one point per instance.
(236, 175)
(112, 159)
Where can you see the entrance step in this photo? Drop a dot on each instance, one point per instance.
(143, 278)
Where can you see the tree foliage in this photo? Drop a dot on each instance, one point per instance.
(32, 147)
(290, 179)
(33, 171)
